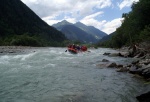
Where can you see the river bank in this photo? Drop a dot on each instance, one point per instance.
(16, 49)
(139, 66)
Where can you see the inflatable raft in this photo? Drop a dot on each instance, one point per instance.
(73, 51)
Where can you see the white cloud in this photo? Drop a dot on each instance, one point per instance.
(93, 15)
(111, 26)
(91, 21)
(104, 3)
(126, 3)
(71, 20)
(105, 26)
(50, 20)
(49, 7)
(85, 11)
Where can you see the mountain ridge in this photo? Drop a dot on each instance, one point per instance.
(92, 30)
(92, 34)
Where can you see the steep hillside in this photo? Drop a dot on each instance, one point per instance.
(106, 38)
(105, 41)
(17, 20)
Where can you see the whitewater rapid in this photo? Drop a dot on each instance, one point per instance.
(53, 75)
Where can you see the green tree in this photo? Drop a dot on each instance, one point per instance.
(133, 27)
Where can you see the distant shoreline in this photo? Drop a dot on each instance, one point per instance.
(19, 49)
(15, 49)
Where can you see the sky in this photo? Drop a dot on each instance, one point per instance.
(105, 15)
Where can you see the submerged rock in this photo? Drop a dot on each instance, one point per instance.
(103, 65)
(105, 60)
(106, 53)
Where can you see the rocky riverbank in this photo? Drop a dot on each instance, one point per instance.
(16, 49)
(139, 66)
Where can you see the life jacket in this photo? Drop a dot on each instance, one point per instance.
(84, 48)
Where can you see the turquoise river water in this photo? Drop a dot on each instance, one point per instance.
(53, 75)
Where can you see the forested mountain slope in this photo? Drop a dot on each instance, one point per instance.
(19, 25)
(135, 27)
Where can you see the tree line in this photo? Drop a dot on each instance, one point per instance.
(135, 27)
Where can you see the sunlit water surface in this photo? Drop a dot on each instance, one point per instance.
(53, 75)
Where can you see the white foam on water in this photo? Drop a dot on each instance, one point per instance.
(24, 57)
(52, 72)
(49, 65)
(27, 66)
(4, 59)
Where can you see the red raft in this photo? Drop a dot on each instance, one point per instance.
(76, 49)
(73, 51)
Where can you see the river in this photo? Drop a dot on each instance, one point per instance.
(53, 75)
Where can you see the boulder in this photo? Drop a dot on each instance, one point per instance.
(135, 61)
(114, 54)
(145, 61)
(123, 69)
(147, 56)
(144, 97)
(105, 60)
(106, 53)
(11, 51)
(104, 65)
(112, 65)
(146, 73)
(134, 70)
(119, 66)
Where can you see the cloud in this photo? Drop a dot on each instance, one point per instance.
(88, 12)
(91, 20)
(93, 15)
(126, 3)
(77, 8)
(111, 26)
(104, 3)
(51, 20)
(105, 26)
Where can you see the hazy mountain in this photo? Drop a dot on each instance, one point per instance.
(74, 33)
(17, 19)
(80, 32)
(108, 37)
(91, 30)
